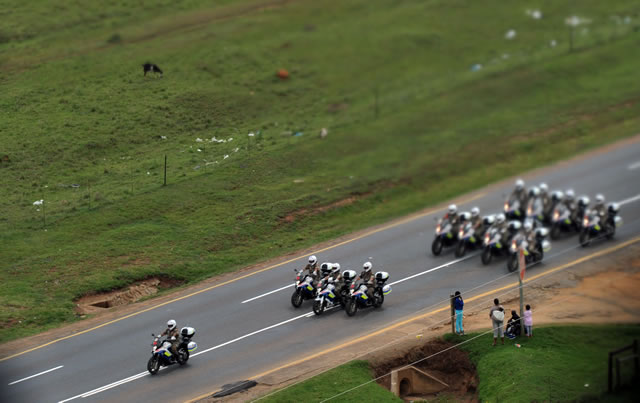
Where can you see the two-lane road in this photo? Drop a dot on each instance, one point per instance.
(248, 326)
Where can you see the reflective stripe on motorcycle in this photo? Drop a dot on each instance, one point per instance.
(449, 235)
(331, 295)
(567, 221)
(472, 239)
(194, 348)
(167, 353)
(498, 245)
(309, 288)
(597, 227)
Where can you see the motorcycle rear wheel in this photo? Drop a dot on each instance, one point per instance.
(183, 356)
(585, 239)
(512, 263)
(436, 246)
(486, 256)
(296, 299)
(351, 308)
(611, 231)
(378, 300)
(461, 248)
(153, 365)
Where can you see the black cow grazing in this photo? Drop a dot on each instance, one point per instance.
(150, 67)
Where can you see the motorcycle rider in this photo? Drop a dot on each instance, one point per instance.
(312, 267)
(599, 207)
(519, 193)
(171, 332)
(452, 217)
(547, 205)
(367, 278)
(569, 202)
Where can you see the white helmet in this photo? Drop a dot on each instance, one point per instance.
(519, 184)
(500, 218)
(599, 198)
(367, 266)
(475, 212)
(527, 225)
(543, 187)
(171, 324)
(336, 266)
(570, 194)
(453, 209)
(313, 259)
(534, 191)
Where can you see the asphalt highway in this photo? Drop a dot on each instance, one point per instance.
(248, 326)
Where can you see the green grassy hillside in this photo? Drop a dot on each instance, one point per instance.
(409, 124)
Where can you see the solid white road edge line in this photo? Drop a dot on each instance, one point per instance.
(305, 315)
(633, 166)
(267, 293)
(33, 376)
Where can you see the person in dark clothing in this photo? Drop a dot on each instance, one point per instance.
(458, 305)
(513, 325)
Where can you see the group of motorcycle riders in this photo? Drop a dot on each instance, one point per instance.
(526, 213)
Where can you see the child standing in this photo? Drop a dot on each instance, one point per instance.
(528, 321)
(458, 304)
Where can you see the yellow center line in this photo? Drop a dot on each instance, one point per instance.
(425, 315)
(366, 234)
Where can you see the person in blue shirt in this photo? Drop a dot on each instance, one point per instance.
(458, 305)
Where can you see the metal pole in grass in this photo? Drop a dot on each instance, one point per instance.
(520, 281)
(165, 170)
(44, 215)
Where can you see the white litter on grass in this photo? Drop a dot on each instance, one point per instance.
(236, 149)
(199, 150)
(148, 173)
(163, 137)
(627, 20)
(251, 134)
(198, 140)
(553, 43)
(230, 139)
(535, 14)
(510, 34)
(574, 21)
(324, 132)
(38, 202)
(215, 140)
(505, 56)
(586, 385)
(226, 156)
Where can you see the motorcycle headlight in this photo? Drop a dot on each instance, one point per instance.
(438, 228)
(460, 234)
(506, 206)
(529, 211)
(585, 222)
(556, 215)
(486, 238)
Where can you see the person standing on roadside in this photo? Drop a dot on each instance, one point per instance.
(497, 320)
(528, 321)
(458, 305)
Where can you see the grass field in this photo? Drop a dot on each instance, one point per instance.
(409, 124)
(558, 364)
(553, 366)
(342, 378)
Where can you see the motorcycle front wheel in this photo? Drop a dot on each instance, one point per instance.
(436, 246)
(296, 299)
(486, 255)
(461, 248)
(351, 308)
(378, 300)
(153, 366)
(611, 230)
(318, 307)
(555, 231)
(512, 263)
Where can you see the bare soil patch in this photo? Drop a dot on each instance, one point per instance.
(98, 302)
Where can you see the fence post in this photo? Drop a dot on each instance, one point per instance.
(453, 315)
(165, 170)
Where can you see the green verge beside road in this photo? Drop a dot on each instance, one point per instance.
(409, 125)
(558, 364)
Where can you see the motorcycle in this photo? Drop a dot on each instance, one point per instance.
(304, 288)
(469, 238)
(494, 244)
(161, 350)
(359, 299)
(445, 237)
(591, 227)
(531, 255)
(330, 296)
